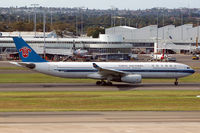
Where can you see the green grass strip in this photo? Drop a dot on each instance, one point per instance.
(13, 68)
(139, 100)
(38, 78)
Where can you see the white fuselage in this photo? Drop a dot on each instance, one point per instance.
(86, 69)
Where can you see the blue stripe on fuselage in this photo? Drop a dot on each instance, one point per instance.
(129, 70)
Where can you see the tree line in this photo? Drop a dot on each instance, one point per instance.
(94, 22)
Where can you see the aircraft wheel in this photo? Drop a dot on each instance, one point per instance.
(98, 83)
(176, 83)
(109, 83)
(103, 83)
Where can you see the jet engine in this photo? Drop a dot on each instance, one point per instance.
(132, 78)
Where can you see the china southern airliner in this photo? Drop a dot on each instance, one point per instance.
(105, 72)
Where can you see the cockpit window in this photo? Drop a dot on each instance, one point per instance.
(188, 67)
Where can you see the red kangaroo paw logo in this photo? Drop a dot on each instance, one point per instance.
(25, 51)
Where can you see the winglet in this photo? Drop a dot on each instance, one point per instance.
(26, 53)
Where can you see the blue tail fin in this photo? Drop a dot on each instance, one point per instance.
(27, 54)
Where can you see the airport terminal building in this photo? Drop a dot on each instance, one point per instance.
(120, 40)
(104, 45)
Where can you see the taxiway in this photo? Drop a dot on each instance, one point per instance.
(100, 122)
(93, 87)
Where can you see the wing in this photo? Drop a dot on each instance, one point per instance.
(106, 72)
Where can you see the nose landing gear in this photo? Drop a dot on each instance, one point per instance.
(176, 82)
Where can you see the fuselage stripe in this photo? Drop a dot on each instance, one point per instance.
(126, 70)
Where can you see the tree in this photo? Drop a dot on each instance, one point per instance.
(94, 32)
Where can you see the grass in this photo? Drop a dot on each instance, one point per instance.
(140, 100)
(38, 78)
(195, 68)
(13, 68)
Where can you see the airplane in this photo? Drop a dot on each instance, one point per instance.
(79, 52)
(104, 72)
(159, 57)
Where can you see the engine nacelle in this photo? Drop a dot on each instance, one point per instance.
(132, 78)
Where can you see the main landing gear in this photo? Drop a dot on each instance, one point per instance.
(176, 82)
(103, 83)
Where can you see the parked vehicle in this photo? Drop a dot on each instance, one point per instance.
(171, 59)
(195, 57)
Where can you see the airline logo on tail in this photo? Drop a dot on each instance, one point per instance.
(25, 51)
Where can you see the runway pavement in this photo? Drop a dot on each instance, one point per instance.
(93, 87)
(100, 122)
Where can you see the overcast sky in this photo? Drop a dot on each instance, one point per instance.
(104, 4)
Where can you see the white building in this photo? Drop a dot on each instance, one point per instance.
(105, 44)
(183, 37)
(28, 34)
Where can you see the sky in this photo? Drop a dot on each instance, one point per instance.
(104, 4)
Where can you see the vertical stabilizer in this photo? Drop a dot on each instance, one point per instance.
(26, 53)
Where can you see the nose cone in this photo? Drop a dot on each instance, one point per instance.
(192, 71)
(189, 70)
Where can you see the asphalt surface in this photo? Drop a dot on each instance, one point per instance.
(100, 122)
(92, 87)
(98, 117)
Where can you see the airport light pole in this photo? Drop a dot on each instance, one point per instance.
(29, 19)
(82, 20)
(197, 38)
(111, 15)
(44, 32)
(51, 19)
(163, 26)
(81, 11)
(35, 17)
(157, 34)
(9, 15)
(125, 20)
(76, 24)
(181, 25)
